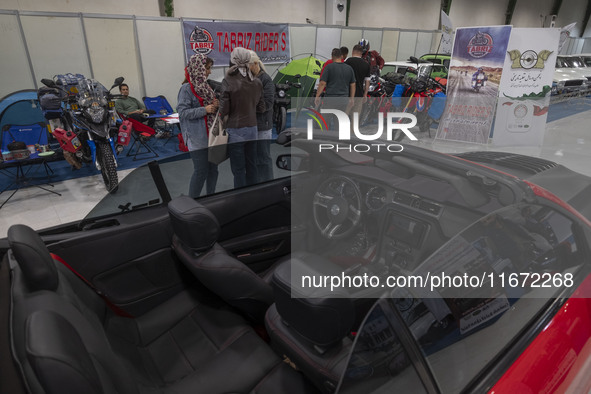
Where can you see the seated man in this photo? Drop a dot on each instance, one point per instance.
(133, 108)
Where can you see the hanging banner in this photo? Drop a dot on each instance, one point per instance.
(472, 88)
(565, 34)
(217, 40)
(524, 92)
(446, 35)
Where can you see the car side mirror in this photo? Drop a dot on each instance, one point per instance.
(293, 162)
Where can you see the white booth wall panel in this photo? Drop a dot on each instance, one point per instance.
(275, 11)
(327, 38)
(126, 7)
(390, 45)
(272, 68)
(424, 40)
(464, 13)
(112, 52)
(350, 38)
(578, 46)
(162, 57)
(374, 37)
(15, 73)
(407, 45)
(302, 40)
(586, 46)
(416, 14)
(56, 45)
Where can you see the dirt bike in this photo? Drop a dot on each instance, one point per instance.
(282, 102)
(425, 99)
(378, 100)
(81, 114)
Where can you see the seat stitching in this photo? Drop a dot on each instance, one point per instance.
(328, 373)
(181, 350)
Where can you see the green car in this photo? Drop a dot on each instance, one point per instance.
(437, 58)
(437, 70)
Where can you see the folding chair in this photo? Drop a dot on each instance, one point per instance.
(141, 135)
(31, 135)
(162, 109)
(159, 105)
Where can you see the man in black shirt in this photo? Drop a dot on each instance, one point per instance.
(362, 76)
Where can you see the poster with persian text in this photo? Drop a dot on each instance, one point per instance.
(524, 93)
(473, 83)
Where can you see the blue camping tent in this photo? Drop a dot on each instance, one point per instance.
(20, 108)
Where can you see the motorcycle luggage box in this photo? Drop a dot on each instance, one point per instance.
(437, 106)
(49, 98)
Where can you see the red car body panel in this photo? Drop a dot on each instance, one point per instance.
(559, 359)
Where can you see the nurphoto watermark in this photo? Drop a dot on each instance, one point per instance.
(392, 123)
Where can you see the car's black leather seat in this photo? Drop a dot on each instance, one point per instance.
(66, 340)
(311, 326)
(196, 231)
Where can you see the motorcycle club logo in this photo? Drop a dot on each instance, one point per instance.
(480, 45)
(344, 126)
(528, 59)
(201, 41)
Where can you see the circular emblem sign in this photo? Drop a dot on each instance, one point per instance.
(528, 59)
(480, 45)
(201, 41)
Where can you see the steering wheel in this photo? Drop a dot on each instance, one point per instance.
(337, 207)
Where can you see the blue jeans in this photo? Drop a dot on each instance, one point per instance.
(264, 160)
(203, 171)
(242, 150)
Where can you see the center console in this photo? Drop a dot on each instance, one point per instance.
(404, 236)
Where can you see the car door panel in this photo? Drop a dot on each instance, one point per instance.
(131, 260)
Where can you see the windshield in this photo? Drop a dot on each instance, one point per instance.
(576, 61)
(561, 62)
(458, 330)
(91, 93)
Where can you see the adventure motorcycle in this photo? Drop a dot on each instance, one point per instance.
(282, 102)
(82, 116)
(426, 99)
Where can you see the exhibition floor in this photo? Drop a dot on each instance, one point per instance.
(567, 141)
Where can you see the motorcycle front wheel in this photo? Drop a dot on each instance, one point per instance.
(106, 160)
(368, 112)
(281, 119)
(424, 122)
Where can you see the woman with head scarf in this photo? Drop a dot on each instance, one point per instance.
(197, 106)
(242, 98)
(264, 120)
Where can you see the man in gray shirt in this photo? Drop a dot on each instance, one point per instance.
(338, 79)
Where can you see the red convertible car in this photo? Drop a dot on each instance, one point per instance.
(352, 271)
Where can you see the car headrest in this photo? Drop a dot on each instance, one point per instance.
(195, 226)
(322, 317)
(33, 257)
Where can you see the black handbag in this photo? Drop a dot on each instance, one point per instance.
(16, 145)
